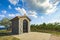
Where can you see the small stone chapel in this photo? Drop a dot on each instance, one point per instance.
(20, 24)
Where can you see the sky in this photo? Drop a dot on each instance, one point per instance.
(39, 11)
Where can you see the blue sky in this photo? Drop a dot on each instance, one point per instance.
(39, 11)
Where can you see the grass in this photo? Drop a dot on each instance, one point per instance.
(48, 31)
(8, 38)
(3, 36)
(4, 31)
(52, 32)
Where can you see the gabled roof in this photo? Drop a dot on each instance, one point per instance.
(17, 17)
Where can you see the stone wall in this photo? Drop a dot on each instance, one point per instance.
(15, 26)
(21, 25)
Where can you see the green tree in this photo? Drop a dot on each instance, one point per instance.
(6, 22)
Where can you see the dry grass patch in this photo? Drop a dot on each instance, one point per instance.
(8, 38)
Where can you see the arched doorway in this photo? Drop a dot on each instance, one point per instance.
(25, 26)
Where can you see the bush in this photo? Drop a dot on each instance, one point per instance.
(44, 26)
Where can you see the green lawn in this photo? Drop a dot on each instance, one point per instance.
(8, 38)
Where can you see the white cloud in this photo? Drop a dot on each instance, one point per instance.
(56, 3)
(28, 13)
(14, 2)
(53, 21)
(13, 15)
(49, 11)
(32, 13)
(21, 10)
(42, 6)
(4, 11)
(9, 7)
(52, 7)
(18, 14)
(2, 16)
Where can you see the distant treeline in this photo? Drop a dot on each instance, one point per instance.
(49, 27)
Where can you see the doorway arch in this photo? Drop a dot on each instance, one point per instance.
(25, 26)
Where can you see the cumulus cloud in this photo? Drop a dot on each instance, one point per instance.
(55, 1)
(13, 15)
(32, 13)
(34, 5)
(41, 6)
(28, 13)
(53, 21)
(53, 7)
(14, 2)
(49, 11)
(2, 16)
(4, 11)
(21, 10)
(9, 7)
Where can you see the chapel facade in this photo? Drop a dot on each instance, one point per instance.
(20, 24)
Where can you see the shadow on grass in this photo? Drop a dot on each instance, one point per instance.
(7, 34)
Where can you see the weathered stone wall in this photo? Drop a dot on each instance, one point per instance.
(15, 26)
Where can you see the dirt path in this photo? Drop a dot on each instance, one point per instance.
(54, 37)
(33, 36)
(37, 36)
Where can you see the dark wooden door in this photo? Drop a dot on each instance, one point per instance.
(25, 26)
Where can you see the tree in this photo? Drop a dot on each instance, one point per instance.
(49, 27)
(6, 22)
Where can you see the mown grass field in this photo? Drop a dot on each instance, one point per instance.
(8, 38)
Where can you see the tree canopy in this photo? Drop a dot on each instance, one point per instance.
(5, 22)
(50, 26)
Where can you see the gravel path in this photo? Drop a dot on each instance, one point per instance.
(37, 36)
(33, 36)
(54, 37)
